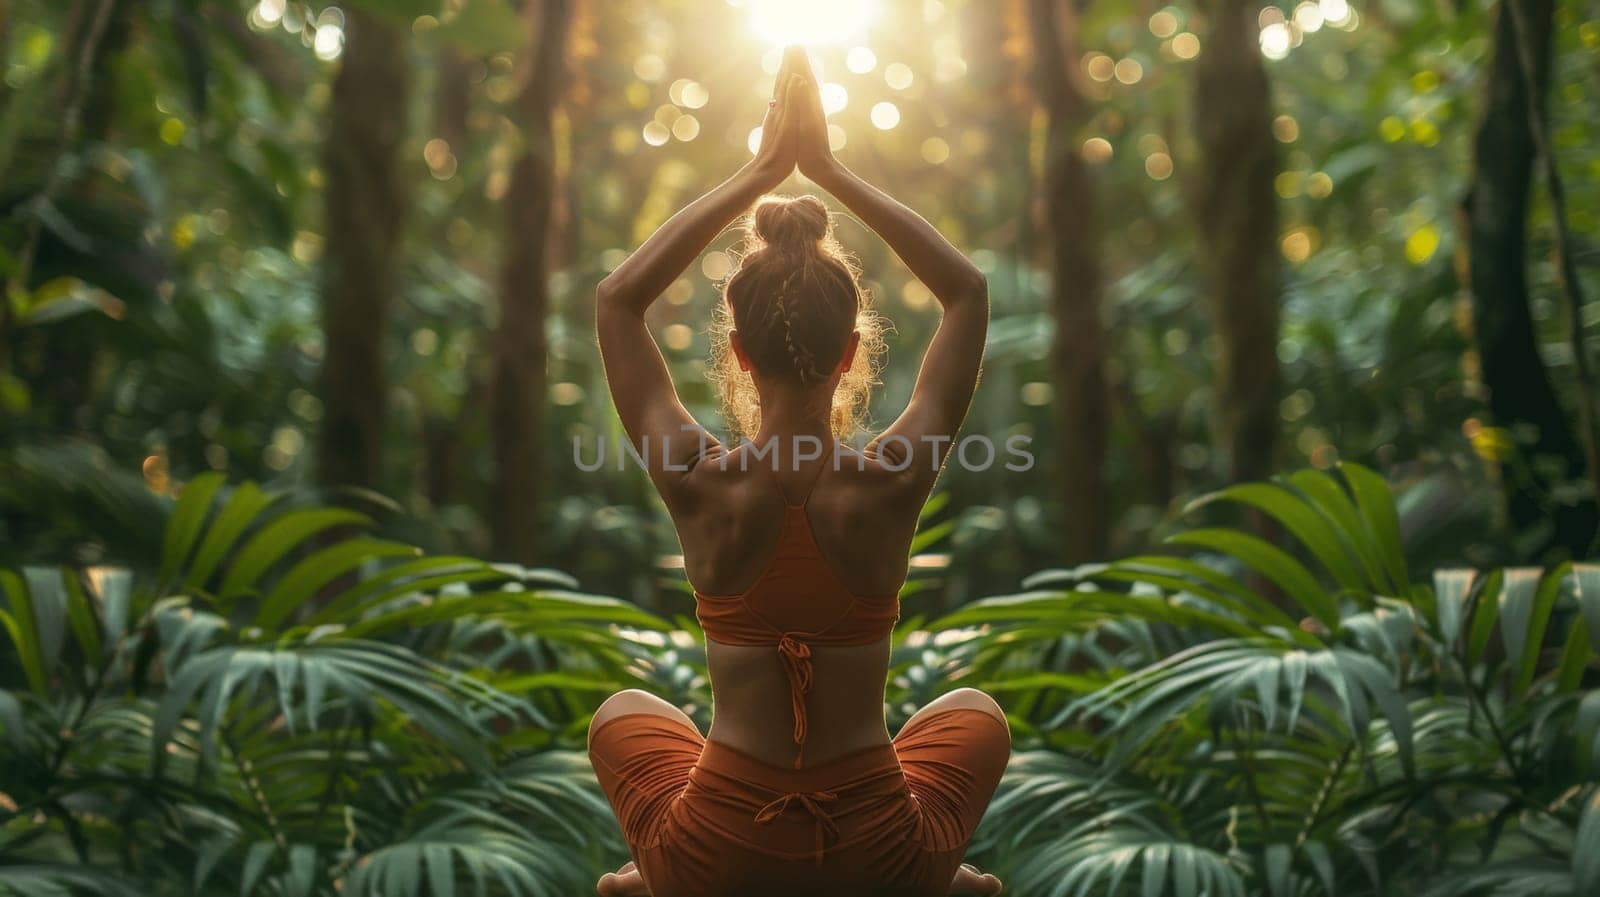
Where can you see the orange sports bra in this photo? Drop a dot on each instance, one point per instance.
(796, 602)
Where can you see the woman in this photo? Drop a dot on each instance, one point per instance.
(797, 548)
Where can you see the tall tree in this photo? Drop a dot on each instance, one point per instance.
(517, 378)
(445, 423)
(365, 211)
(1495, 213)
(1078, 354)
(1238, 228)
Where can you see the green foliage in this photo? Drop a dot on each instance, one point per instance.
(287, 705)
(1242, 718)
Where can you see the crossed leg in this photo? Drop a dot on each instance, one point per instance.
(628, 882)
(633, 700)
(968, 880)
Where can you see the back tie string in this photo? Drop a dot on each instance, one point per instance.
(796, 656)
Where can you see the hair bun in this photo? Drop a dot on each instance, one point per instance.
(791, 225)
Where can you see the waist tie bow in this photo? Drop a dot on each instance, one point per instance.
(796, 656)
(811, 802)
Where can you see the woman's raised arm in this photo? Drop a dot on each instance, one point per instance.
(662, 430)
(923, 434)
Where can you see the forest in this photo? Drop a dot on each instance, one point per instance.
(311, 578)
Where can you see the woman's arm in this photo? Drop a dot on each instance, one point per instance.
(662, 430)
(926, 430)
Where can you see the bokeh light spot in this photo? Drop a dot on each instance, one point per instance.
(1037, 394)
(566, 394)
(1424, 132)
(834, 98)
(649, 67)
(441, 161)
(1099, 66)
(1421, 244)
(1299, 243)
(1275, 40)
(172, 131)
(716, 265)
(269, 12)
(686, 128)
(1308, 15)
(328, 43)
(678, 337)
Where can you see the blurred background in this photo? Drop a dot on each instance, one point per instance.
(347, 251)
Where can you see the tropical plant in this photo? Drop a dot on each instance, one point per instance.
(1342, 729)
(288, 705)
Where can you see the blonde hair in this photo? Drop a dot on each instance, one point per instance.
(795, 297)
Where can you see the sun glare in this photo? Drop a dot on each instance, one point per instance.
(811, 22)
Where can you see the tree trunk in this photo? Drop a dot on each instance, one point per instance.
(365, 208)
(1495, 215)
(445, 424)
(1238, 227)
(1078, 354)
(5, 37)
(517, 378)
(452, 99)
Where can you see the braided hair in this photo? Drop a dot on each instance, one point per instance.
(795, 300)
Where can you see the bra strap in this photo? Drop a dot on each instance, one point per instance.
(827, 458)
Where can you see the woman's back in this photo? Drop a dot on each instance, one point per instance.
(862, 513)
(780, 543)
(797, 550)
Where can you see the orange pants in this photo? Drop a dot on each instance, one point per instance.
(705, 820)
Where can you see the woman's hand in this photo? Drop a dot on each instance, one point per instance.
(812, 151)
(776, 157)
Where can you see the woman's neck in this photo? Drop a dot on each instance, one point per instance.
(789, 413)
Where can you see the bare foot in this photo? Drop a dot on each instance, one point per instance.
(625, 882)
(969, 881)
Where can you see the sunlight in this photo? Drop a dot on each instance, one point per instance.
(811, 22)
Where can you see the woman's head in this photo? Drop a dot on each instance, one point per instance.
(795, 317)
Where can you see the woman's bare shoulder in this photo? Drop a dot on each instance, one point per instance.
(878, 464)
(737, 467)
